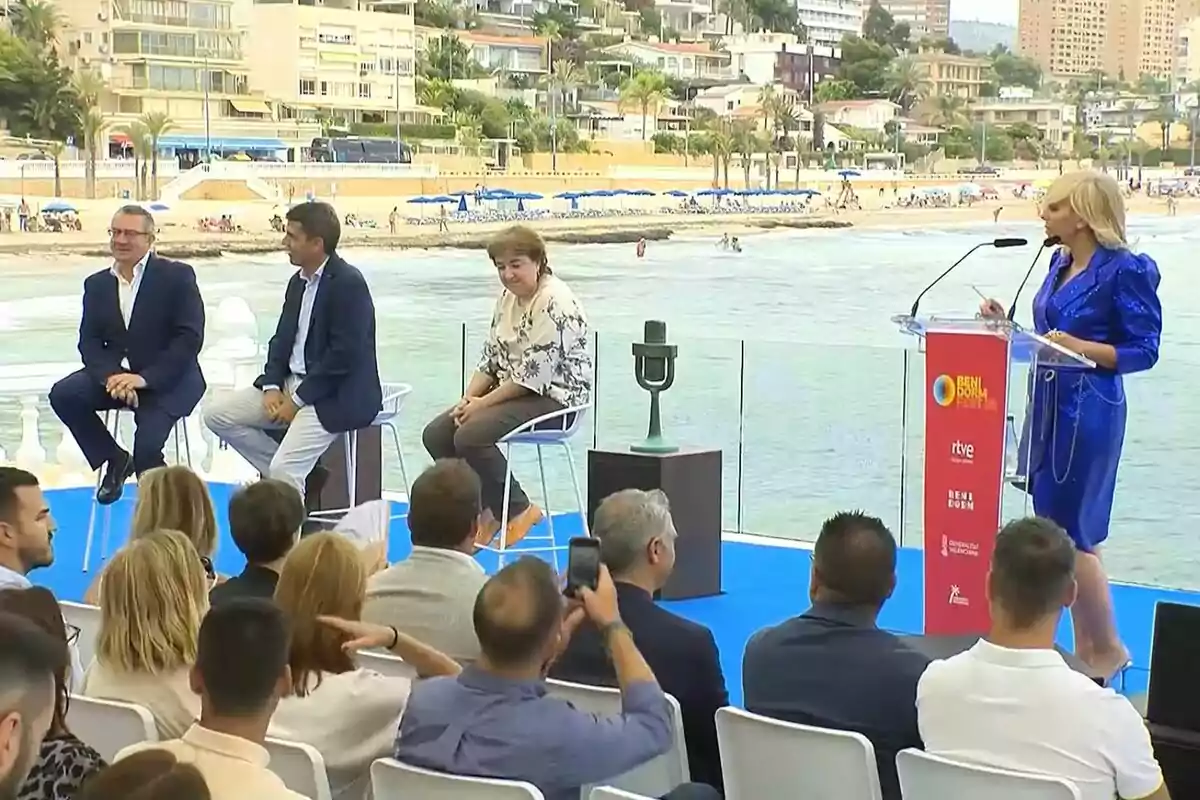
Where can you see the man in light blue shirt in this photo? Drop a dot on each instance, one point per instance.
(496, 719)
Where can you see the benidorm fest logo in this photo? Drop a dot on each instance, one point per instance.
(962, 391)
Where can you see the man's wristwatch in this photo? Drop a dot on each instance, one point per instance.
(607, 631)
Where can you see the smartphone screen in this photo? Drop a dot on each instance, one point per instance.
(583, 564)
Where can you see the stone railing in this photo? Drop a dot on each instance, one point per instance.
(115, 168)
(46, 448)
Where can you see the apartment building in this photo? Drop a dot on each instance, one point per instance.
(827, 21)
(1122, 38)
(345, 60)
(951, 75)
(924, 17)
(187, 59)
(684, 60)
(778, 58)
(869, 115)
(497, 53)
(1054, 120)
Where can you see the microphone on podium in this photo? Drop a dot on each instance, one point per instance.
(1004, 242)
(1049, 241)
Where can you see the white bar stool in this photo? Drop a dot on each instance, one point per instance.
(112, 421)
(394, 395)
(549, 430)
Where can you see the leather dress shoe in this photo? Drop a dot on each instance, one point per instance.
(118, 470)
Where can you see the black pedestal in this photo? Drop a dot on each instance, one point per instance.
(370, 473)
(691, 480)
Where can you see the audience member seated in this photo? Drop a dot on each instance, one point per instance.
(348, 714)
(241, 672)
(173, 499)
(29, 660)
(154, 594)
(64, 762)
(1012, 702)
(832, 666)
(149, 775)
(26, 534)
(431, 594)
(637, 544)
(26, 528)
(264, 522)
(496, 720)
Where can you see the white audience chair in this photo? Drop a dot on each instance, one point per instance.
(657, 776)
(767, 759)
(300, 767)
(929, 777)
(85, 619)
(555, 429)
(109, 726)
(391, 780)
(386, 665)
(394, 395)
(112, 421)
(609, 793)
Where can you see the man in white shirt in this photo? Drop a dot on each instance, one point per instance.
(1011, 701)
(431, 595)
(321, 378)
(241, 672)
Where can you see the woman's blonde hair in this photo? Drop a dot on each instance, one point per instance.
(175, 498)
(153, 596)
(323, 574)
(1096, 199)
(520, 241)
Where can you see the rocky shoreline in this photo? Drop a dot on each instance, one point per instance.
(619, 232)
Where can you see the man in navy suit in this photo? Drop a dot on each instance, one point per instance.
(321, 378)
(140, 337)
(637, 544)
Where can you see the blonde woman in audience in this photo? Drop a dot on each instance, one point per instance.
(154, 594)
(347, 713)
(173, 498)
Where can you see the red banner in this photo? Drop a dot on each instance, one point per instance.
(966, 379)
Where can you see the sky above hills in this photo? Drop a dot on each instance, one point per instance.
(1002, 11)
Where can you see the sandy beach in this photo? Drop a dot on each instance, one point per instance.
(179, 235)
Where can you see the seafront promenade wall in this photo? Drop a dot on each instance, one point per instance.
(240, 181)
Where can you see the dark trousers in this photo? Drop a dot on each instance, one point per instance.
(77, 399)
(475, 442)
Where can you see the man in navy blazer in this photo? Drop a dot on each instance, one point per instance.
(321, 378)
(637, 544)
(140, 337)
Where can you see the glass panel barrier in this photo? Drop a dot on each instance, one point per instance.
(701, 409)
(822, 434)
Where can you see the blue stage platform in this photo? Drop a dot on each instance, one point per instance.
(764, 581)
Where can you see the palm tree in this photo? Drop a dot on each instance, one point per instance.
(906, 82)
(92, 126)
(157, 123)
(437, 93)
(139, 143)
(470, 132)
(643, 91)
(35, 21)
(745, 144)
(90, 87)
(551, 31)
(720, 144)
(55, 151)
(949, 111)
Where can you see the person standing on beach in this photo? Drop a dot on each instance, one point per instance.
(140, 337)
(1101, 301)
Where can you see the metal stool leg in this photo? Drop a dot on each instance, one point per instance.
(399, 454)
(549, 515)
(187, 444)
(91, 531)
(351, 445)
(575, 484)
(507, 493)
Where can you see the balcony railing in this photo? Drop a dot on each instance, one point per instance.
(805, 428)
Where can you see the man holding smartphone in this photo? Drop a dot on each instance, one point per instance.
(496, 718)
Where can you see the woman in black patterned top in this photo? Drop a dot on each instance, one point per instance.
(64, 762)
(535, 362)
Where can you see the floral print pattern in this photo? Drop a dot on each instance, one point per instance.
(541, 343)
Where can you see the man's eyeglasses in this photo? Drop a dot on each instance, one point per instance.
(125, 233)
(72, 634)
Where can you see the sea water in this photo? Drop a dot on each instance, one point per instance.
(788, 363)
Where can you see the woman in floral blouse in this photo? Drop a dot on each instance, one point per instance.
(535, 362)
